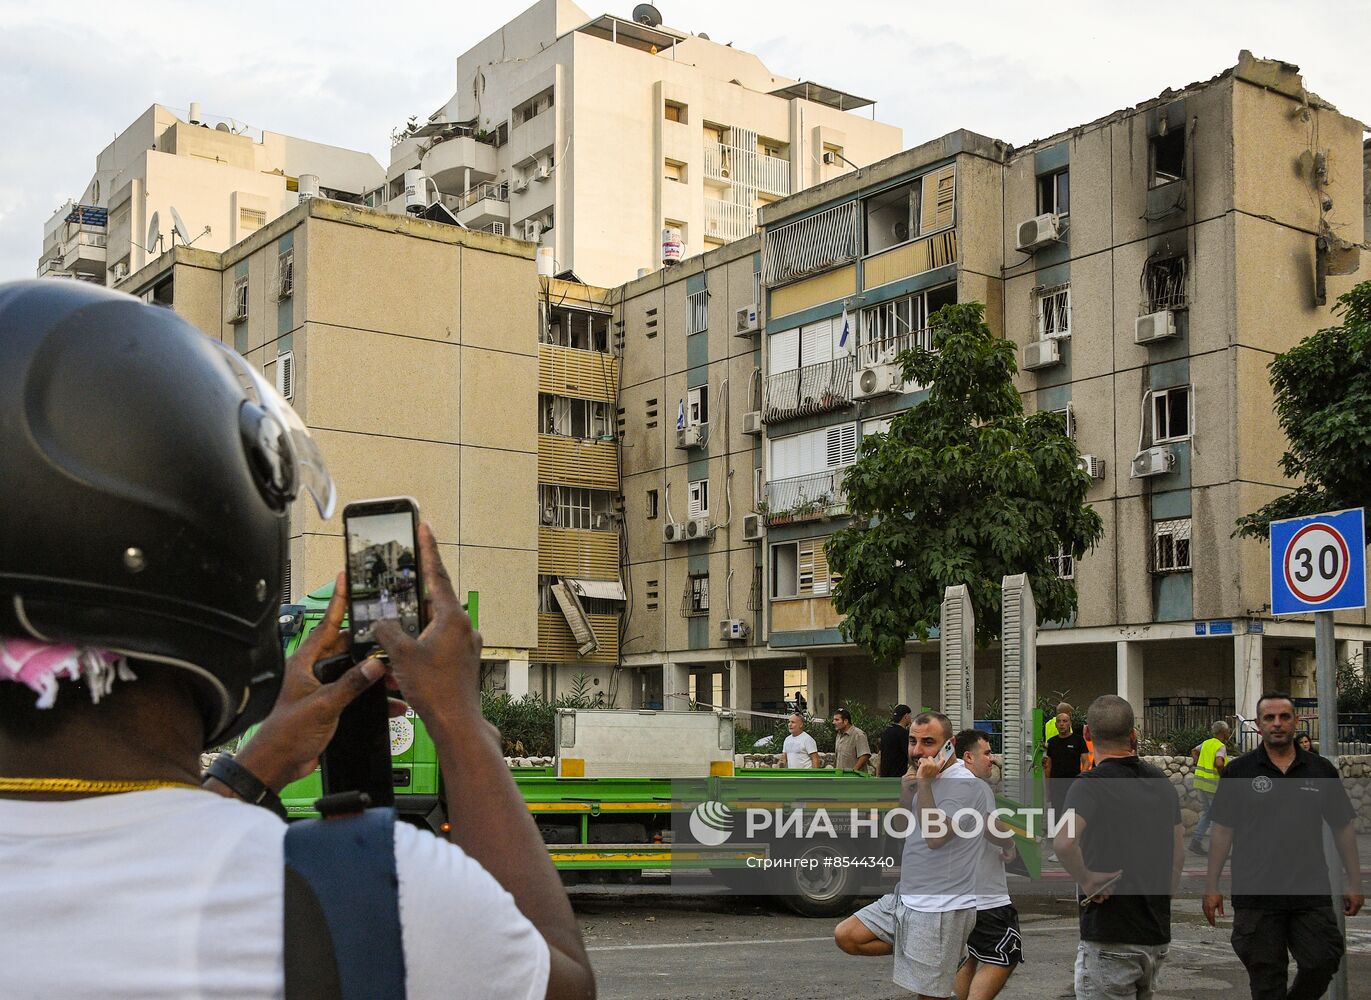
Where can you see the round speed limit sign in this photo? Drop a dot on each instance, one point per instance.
(1316, 563)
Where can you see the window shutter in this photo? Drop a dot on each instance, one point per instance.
(841, 445)
(285, 375)
(783, 351)
(806, 569)
(939, 199)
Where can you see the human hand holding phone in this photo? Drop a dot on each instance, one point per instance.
(1098, 887)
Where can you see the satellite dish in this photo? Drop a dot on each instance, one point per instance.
(647, 14)
(178, 226)
(222, 127)
(154, 233)
(704, 36)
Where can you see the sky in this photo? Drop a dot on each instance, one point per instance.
(74, 75)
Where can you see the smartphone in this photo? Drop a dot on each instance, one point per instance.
(1087, 900)
(948, 751)
(383, 570)
(357, 759)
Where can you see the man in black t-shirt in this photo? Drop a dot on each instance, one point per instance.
(895, 744)
(1270, 809)
(1062, 763)
(1123, 843)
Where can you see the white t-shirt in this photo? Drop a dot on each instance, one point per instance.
(992, 885)
(178, 893)
(938, 881)
(797, 750)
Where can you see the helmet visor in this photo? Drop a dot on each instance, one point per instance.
(303, 462)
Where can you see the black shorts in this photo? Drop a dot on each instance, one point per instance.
(995, 939)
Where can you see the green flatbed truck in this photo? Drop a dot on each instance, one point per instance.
(602, 822)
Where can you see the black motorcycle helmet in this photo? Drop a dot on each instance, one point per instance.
(145, 475)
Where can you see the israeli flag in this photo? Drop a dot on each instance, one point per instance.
(680, 415)
(847, 328)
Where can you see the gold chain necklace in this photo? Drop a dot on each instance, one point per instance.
(86, 785)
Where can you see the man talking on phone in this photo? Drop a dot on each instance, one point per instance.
(1123, 843)
(147, 477)
(926, 922)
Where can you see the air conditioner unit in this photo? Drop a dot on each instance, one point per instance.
(752, 422)
(543, 171)
(697, 527)
(733, 629)
(1092, 465)
(754, 528)
(519, 185)
(748, 322)
(497, 228)
(1153, 462)
(1041, 354)
(878, 380)
(1154, 326)
(602, 522)
(1038, 232)
(691, 435)
(533, 230)
(673, 532)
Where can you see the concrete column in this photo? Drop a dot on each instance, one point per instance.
(1128, 660)
(740, 689)
(1247, 673)
(820, 686)
(675, 686)
(516, 677)
(909, 681)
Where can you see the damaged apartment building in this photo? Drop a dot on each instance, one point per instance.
(1147, 266)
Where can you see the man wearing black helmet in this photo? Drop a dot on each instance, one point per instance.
(145, 474)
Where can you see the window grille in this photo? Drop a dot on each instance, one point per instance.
(1063, 565)
(695, 601)
(697, 311)
(1053, 309)
(285, 275)
(238, 307)
(1163, 284)
(1171, 546)
(250, 219)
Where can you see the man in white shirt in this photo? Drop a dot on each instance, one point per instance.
(148, 476)
(995, 947)
(800, 749)
(926, 922)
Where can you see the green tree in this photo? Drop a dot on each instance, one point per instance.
(1323, 402)
(963, 489)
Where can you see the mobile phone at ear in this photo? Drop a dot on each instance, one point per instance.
(948, 751)
(383, 568)
(357, 759)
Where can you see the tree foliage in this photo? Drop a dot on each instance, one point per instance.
(1323, 402)
(963, 489)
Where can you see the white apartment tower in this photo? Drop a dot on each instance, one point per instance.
(592, 135)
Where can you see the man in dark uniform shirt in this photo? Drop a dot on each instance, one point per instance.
(1062, 764)
(1270, 809)
(895, 743)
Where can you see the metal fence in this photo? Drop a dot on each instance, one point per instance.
(812, 389)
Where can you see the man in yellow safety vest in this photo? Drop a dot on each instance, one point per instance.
(1210, 757)
(1050, 730)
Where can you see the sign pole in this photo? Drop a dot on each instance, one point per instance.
(1325, 657)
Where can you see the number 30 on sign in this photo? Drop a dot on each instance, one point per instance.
(1318, 563)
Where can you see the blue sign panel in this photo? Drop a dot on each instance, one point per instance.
(1201, 628)
(1318, 563)
(1220, 628)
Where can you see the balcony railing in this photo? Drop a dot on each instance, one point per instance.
(482, 191)
(718, 161)
(727, 221)
(803, 392)
(816, 243)
(818, 494)
(886, 350)
(773, 174)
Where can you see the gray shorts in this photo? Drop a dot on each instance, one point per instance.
(928, 947)
(1118, 971)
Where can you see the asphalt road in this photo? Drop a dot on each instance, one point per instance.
(647, 942)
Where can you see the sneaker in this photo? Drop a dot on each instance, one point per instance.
(1197, 848)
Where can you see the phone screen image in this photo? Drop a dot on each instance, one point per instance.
(383, 578)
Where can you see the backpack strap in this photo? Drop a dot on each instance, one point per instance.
(342, 909)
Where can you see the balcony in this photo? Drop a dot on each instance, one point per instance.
(556, 644)
(816, 496)
(718, 162)
(727, 221)
(773, 175)
(569, 461)
(578, 553)
(887, 350)
(448, 161)
(803, 392)
(569, 371)
(819, 242)
(484, 205)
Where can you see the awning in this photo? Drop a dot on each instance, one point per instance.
(604, 590)
(576, 618)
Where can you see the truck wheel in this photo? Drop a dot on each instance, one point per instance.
(825, 890)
